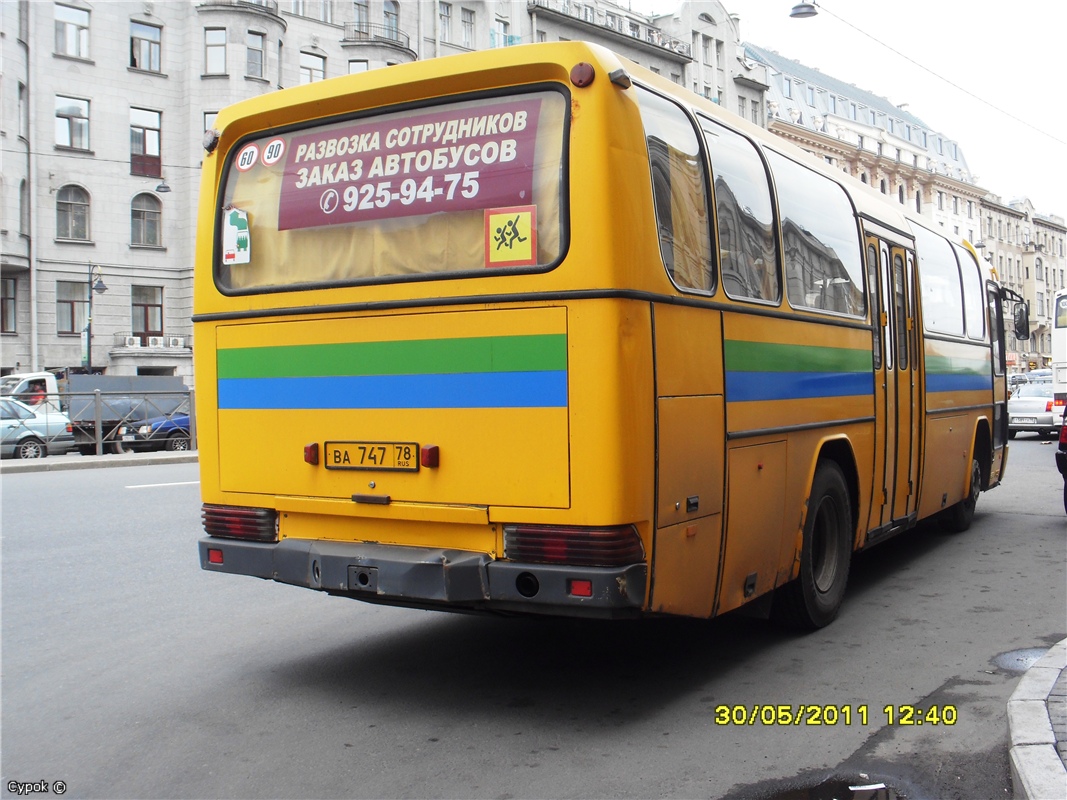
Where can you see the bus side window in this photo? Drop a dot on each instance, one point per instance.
(820, 240)
(744, 214)
(678, 191)
(939, 279)
(973, 311)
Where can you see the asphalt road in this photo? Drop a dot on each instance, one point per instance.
(128, 672)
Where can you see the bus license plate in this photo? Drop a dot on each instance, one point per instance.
(402, 456)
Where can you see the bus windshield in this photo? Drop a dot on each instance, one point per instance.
(431, 191)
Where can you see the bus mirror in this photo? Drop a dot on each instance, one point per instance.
(1022, 321)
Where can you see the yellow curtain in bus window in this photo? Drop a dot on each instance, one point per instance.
(511, 236)
(236, 236)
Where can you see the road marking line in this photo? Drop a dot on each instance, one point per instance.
(157, 485)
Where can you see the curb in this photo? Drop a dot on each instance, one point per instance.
(1037, 771)
(68, 462)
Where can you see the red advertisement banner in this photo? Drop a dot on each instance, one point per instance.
(454, 160)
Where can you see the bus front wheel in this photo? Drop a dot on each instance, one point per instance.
(814, 598)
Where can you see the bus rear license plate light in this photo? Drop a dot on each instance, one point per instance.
(214, 555)
(579, 588)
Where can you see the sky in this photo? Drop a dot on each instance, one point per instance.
(991, 76)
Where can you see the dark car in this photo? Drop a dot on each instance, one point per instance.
(159, 433)
(1061, 456)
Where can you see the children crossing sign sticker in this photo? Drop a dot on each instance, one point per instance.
(511, 236)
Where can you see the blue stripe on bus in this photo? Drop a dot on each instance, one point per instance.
(748, 386)
(958, 382)
(467, 390)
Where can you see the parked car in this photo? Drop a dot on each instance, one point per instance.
(1030, 408)
(158, 433)
(30, 432)
(1061, 456)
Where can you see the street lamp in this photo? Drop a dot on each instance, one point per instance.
(804, 11)
(96, 284)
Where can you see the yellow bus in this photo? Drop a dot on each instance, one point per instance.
(534, 330)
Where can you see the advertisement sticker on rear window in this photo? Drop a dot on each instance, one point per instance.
(432, 162)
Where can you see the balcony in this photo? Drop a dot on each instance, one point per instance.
(269, 6)
(356, 32)
(617, 26)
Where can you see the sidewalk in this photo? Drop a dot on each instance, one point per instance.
(1037, 724)
(1037, 709)
(75, 461)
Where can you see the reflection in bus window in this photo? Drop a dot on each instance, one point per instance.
(744, 215)
(876, 295)
(820, 240)
(678, 191)
(939, 275)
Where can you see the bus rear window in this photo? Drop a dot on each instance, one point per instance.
(460, 188)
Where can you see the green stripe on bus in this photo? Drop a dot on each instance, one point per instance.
(771, 357)
(950, 365)
(535, 353)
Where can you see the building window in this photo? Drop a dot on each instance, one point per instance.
(72, 306)
(312, 67)
(145, 129)
(445, 14)
(24, 207)
(24, 111)
(705, 46)
(145, 41)
(209, 120)
(326, 11)
(787, 87)
(7, 305)
(214, 51)
(742, 105)
(147, 307)
(467, 18)
(811, 96)
(832, 104)
(254, 61)
(72, 32)
(362, 16)
(852, 111)
(391, 13)
(940, 201)
(72, 122)
(918, 202)
(756, 112)
(145, 221)
(500, 32)
(72, 213)
(874, 117)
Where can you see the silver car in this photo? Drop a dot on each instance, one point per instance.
(1031, 408)
(29, 432)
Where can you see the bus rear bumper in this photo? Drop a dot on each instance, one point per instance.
(432, 577)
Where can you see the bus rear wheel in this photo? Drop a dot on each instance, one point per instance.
(814, 598)
(958, 518)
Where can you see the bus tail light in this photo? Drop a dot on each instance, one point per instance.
(238, 522)
(614, 546)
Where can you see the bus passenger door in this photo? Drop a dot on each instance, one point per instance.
(890, 271)
(901, 268)
(880, 508)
